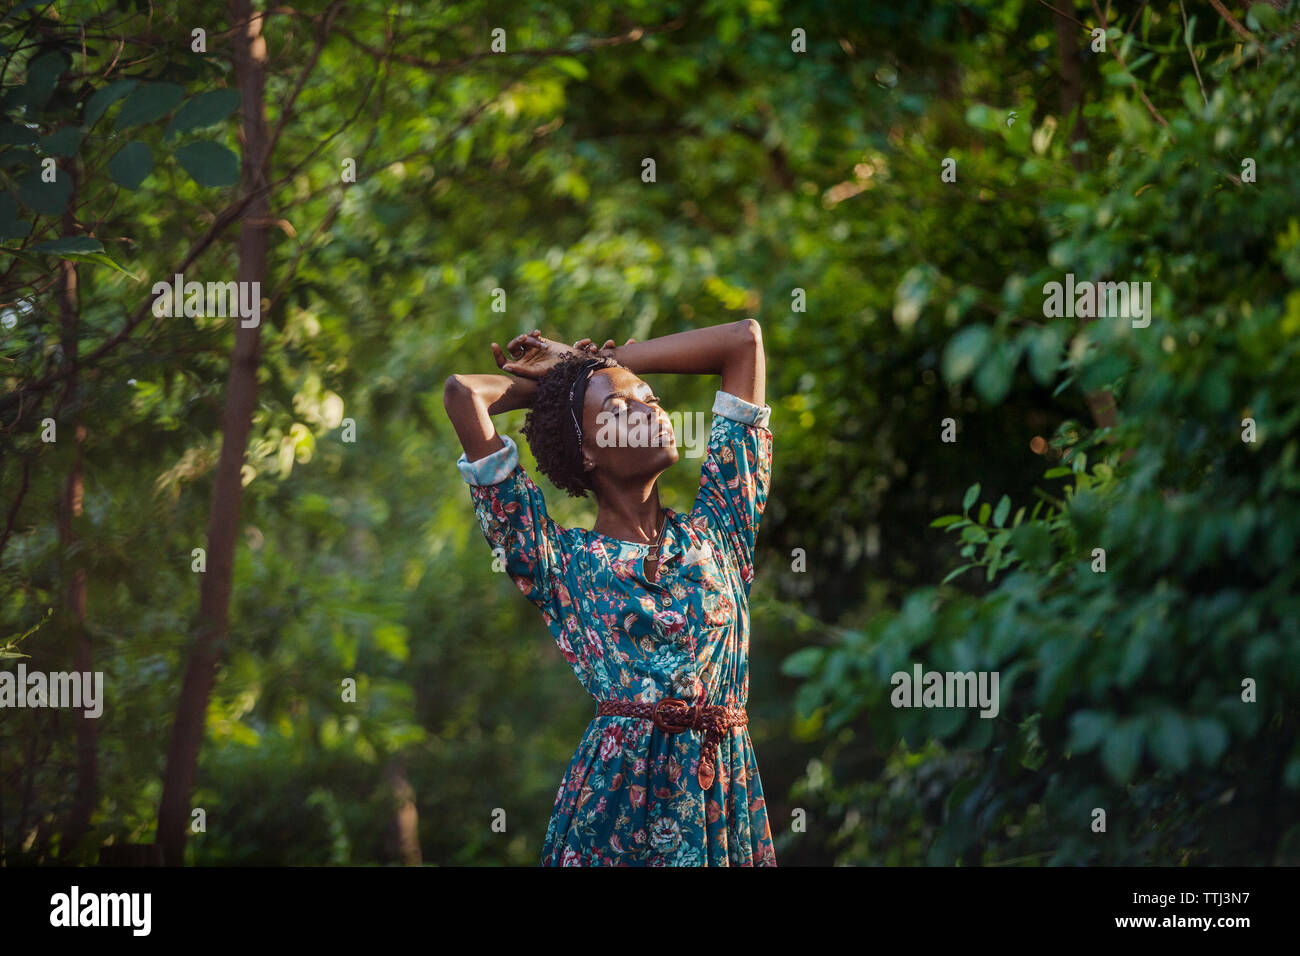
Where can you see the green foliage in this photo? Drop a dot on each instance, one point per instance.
(210, 164)
(1123, 684)
(776, 171)
(130, 165)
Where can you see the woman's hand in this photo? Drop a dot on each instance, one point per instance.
(606, 350)
(531, 356)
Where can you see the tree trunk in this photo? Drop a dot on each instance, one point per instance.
(1067, 45)
(404, 826)
(227, 489)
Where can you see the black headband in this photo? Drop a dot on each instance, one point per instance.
(578, 394)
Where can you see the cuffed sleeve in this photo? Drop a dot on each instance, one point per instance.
(491, 469)
(739, 410)
(735, 476)
(511, 512)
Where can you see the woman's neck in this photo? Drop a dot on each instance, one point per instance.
(630, 516)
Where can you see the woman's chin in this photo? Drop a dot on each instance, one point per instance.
(665, 457)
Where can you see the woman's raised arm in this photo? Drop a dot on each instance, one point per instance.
(733, 350)
(472, 400)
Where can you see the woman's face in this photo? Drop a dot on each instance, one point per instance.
(625, 432)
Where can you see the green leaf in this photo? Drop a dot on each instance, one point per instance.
(204, 110)
(101, 100)
(993, 379)
(1211, 739)
(80, 249)
(729, 28)
(1003, 509)
(70, 244)
(1264, 16)
(954, 572)
(43, 74)
(48, 199)
(1045, 355)
(10, 225)
(945, 521)
(1087, 729)
(18, 157)
(964, 352)
(1171, 743)
(63, 142)
(1060, 471)
(131, 164)
(1033, 543)
(985, 509)
(101, 259)
(15, 134)
(982, 117)
(1104, 370)
(1122, 750)
(209, 164)
(804, 662)
(572, 67)
(149, 102)
(972, 495)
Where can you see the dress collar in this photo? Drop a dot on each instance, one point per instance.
(668, 549)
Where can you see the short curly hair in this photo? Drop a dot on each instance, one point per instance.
(549, 425)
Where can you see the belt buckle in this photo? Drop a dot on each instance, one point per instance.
(659, 719)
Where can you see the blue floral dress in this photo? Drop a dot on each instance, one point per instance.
(630, 796)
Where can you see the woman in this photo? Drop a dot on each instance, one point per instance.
(650, 607)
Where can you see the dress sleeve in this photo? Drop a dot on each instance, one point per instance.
(512, 513)
(736, 474)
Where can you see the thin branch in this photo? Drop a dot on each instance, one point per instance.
(1133, 19)
(1151, 107)
(631, 36)
(223, 220)
(326, 23)
(1232, 22)
(13, 510)
(230, 214)
(425, 151)
(1063, 14)
(328, 220)
(1187, 39)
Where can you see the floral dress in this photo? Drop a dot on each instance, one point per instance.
(630, 796)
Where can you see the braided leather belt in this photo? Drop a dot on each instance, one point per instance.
(673, 715)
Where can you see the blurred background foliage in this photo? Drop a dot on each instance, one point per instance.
(776, 171)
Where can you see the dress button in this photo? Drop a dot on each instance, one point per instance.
(666, 600)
